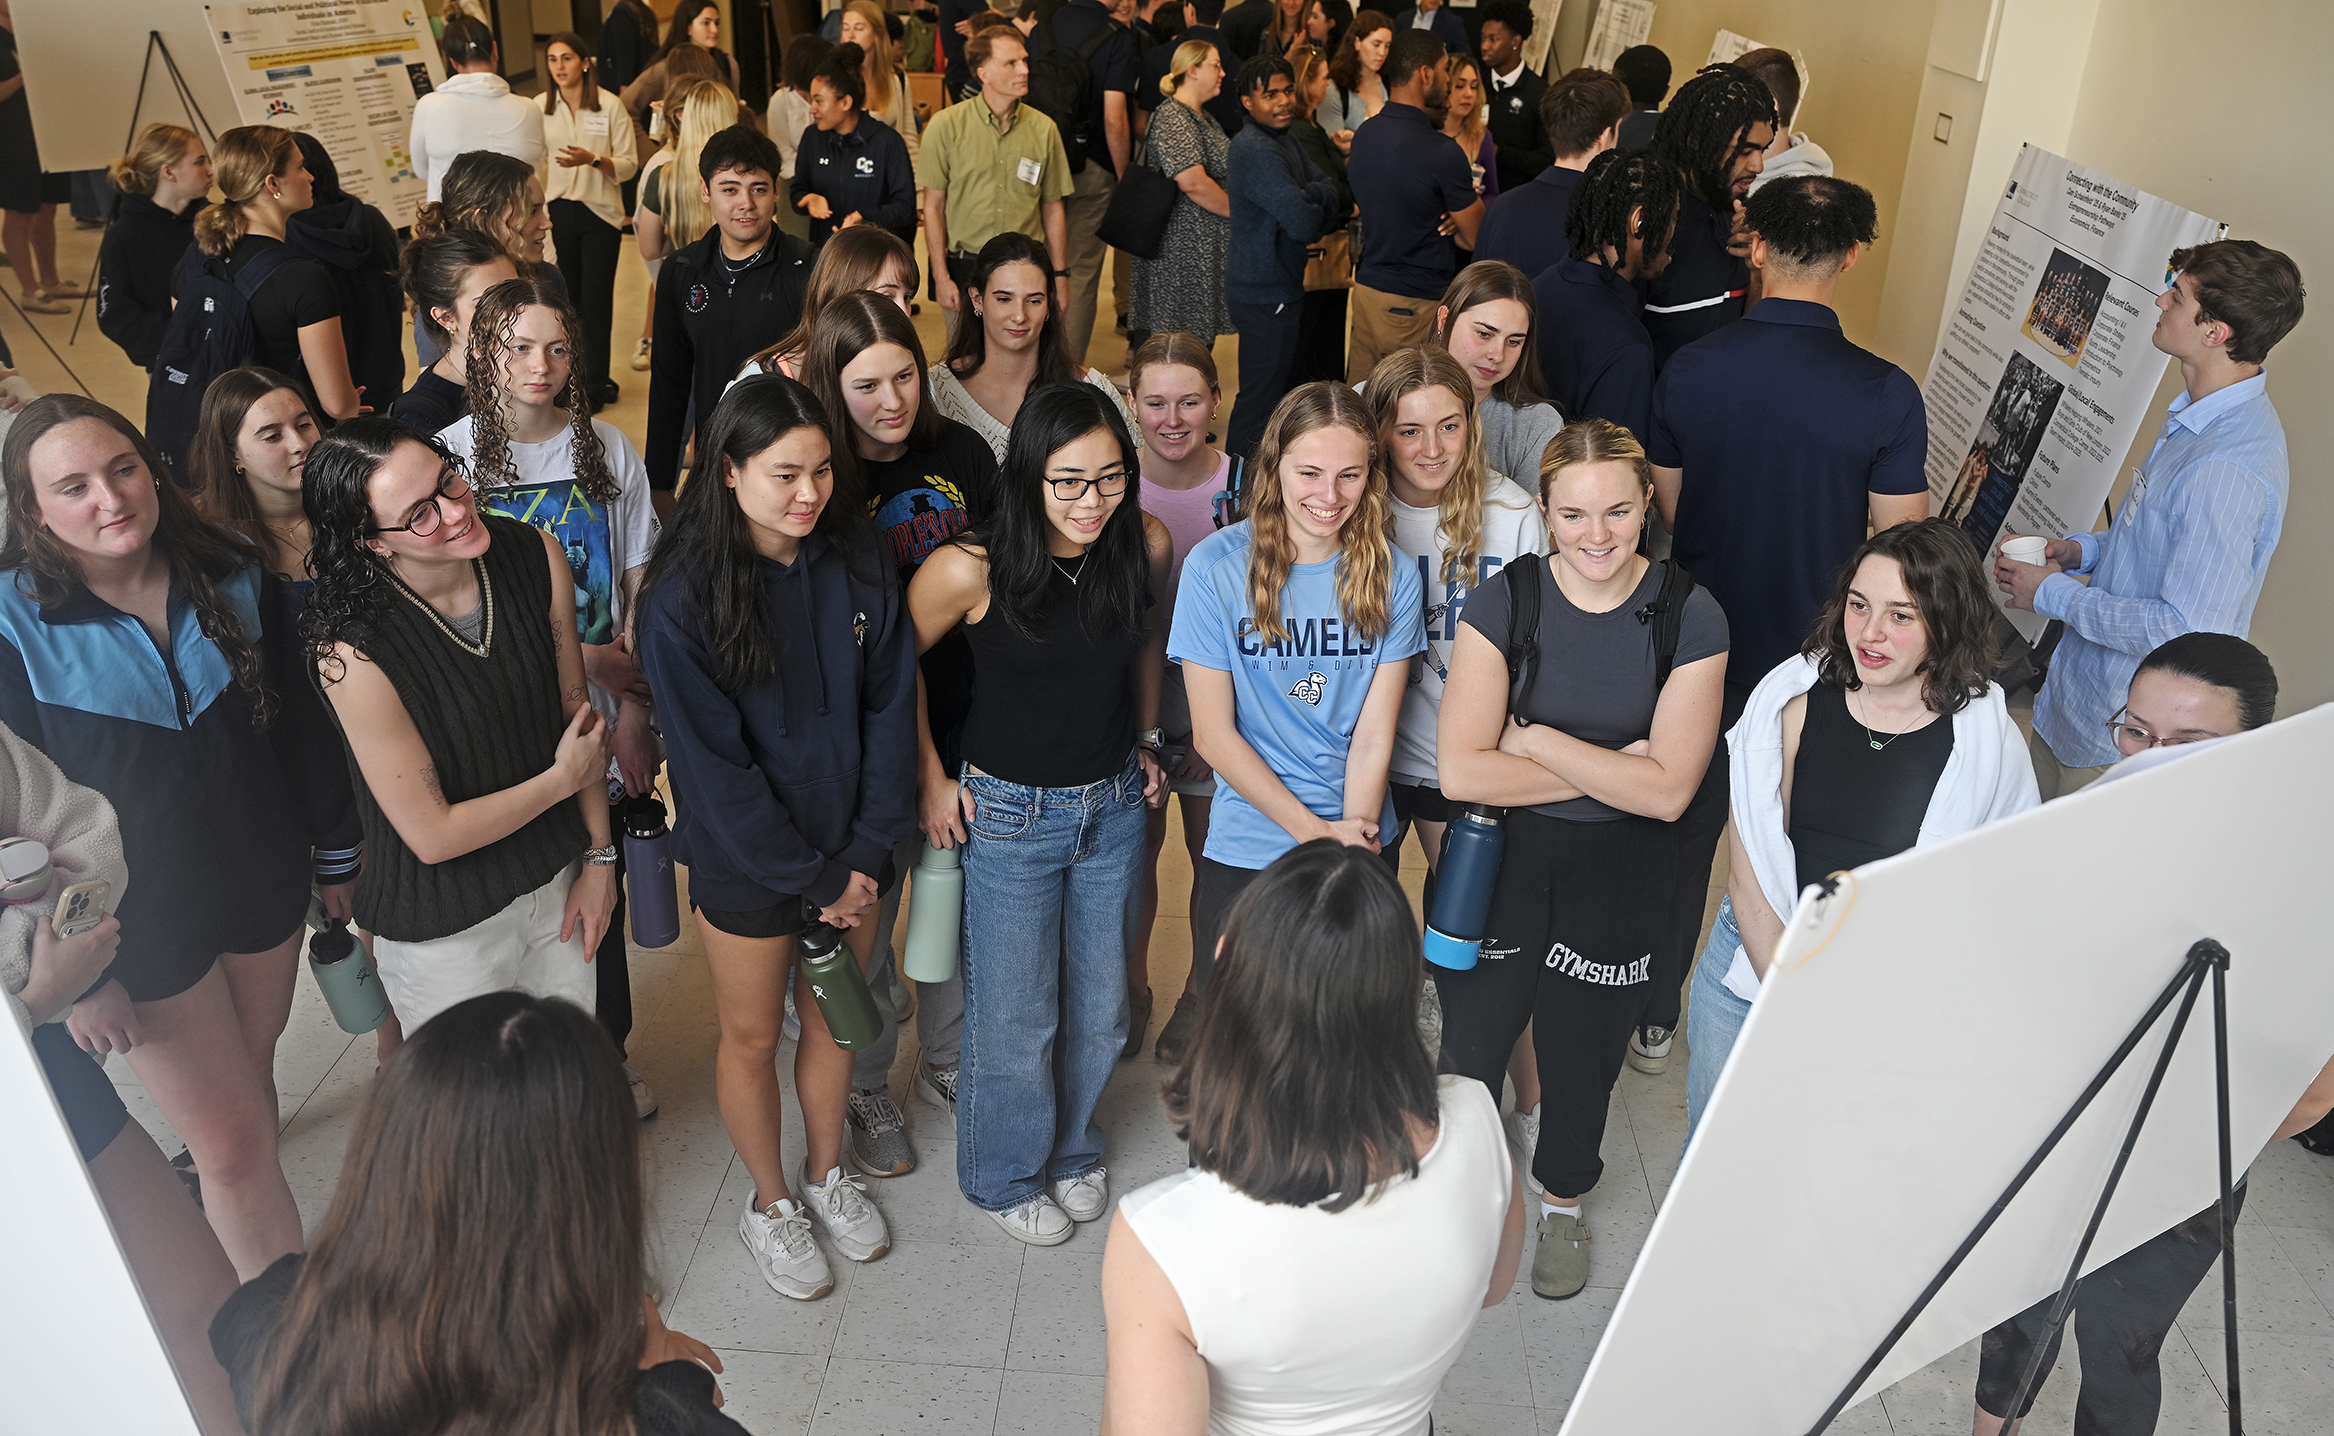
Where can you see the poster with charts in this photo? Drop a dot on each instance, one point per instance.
(2045, 367)
(345, 71)
(1618, 25)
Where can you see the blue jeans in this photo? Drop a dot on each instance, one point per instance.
(1714, 1016)
(1053, 879)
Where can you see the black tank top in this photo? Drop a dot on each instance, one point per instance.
(1056, 711)
(1852, 803)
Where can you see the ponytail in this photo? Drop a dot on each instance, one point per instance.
(248, 156)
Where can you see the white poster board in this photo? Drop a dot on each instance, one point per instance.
(1921, 1034)
(1619, 24)
(345, 71)
(1727, 47)
(1537, 45)
(82, 59)
(2044, 369)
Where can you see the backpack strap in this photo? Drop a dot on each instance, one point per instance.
(261, 269)
(1523, 578)
(1227, 501)
(1667, 614)
(1088, 47)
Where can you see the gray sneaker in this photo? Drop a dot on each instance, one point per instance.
(878, 1135)
(937, 1087)
(1560, 1262)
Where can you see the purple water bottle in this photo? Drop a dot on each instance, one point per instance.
(648, 873)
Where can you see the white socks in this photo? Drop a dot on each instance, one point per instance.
(1550, 1209)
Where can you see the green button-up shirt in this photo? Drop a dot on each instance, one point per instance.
(995, 175)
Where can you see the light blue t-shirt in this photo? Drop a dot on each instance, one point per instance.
(1297, 701)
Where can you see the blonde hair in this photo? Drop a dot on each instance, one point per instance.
(878, 62)
(1365, 573)
(1459, 507)
(158, 147)
(1187, 54)
(248, 155)
(1170, 347)
(1593, 441)
(705, 112)
(1470, 137)
(1308, 61)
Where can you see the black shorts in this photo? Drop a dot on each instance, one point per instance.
(1418, 803)
(783, 918)
(21, 188)
(151, 977)
(93, 1110)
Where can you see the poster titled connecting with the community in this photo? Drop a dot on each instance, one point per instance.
(345, 71)
(2045, 368)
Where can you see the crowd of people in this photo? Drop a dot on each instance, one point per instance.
(1597, 521)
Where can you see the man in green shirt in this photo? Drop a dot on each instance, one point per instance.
(992, 164)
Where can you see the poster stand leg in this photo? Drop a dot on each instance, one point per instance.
(154, 43)
(2205, 958)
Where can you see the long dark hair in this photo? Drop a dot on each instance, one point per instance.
(212, 459)
(709, 546)
(1345, 67)
(498, 312)
(1307, 1067)
(849, 326)
(677, 29)
(421, 1305)
(1948, 585)
(1113, 589)
(970, 339)
(201, 554)
(352, 582)
(432, 269)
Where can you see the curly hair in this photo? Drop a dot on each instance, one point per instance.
(1948, 586)
(212, 462)
(1345, 67)
(1616, 185)
(1480, 283)
(1810, 223)
(353, 584)
(1704, 125)
(498, 314)
(1365, 574)
(483, 191)
(201, 554)
(1459, 507)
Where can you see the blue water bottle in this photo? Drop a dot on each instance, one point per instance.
(654, 904)
(1472, 847)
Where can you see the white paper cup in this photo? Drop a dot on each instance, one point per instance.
(2027, 550)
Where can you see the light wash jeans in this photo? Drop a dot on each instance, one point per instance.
(1714, 1016)
(1053, 887)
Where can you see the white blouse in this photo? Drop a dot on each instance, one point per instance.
(949, 393)
(608, 133)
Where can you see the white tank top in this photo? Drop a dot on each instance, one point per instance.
(1313, 1323)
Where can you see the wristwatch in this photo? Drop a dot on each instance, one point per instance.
(600, 857)
(1061, 274)
(1151, 738)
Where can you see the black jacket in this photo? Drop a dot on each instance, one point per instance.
(1245, 26)
(867, 170)
(142, 246)
(707, 324)
(358, 248)
(1518, 131)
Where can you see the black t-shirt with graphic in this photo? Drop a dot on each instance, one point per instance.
(918, 502)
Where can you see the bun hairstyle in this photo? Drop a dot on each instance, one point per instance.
(1187, 54)
(433, 268)
(467, 41)
(158, 147)
(845, 75)
(247, 158)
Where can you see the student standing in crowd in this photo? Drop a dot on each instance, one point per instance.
(852, 167)
(1464, 122)
(1357, 89)
(1486, 322)
(1201, 16)
(1883, 733)
(1007, 344)
(164, 181)
(506, 1104)
(1414, 189)
(497, 196)
(1347, 1212)
(925, 479)
(783, 660)
(2192, 542)
(1435, 18)
(473, 110)
(1280, 204)
(1321, 329)
(696, 25)
(1580, 115)
(1789, 153)
(884, 83)
(444, 275)
(696, 108)
(1716, 133)
(789, 117)
(861, 257)
(1295, 628)
(1645, 70)
(720, 297)
(1104, 137)
(1597, 358)
(1192, 489)
(1514, 92)
(1182, 289)
(626, 40)
(29, 196)
(295, 312)
(992, 169)
(110, 569)
(1595, 769)
(358, 250)
(593, 155)
(534, 453)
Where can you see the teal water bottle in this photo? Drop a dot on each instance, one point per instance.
(836, 981)
(345, 975)
(935, 915)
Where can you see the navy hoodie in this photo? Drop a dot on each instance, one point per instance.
(866, 170)
(134, 263)
(789, 787)
(356, 246)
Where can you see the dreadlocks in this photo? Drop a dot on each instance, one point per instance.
(1706, 122)
(1618, 182)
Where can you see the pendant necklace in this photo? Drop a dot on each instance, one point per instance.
(1065, 572)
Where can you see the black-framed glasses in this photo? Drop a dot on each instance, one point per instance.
(430, 515)
(1069, 491)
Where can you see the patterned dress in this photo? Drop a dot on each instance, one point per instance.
(1183, 289)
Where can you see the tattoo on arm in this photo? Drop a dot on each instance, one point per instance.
(429, 780)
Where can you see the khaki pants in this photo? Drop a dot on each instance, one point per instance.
(1083, 211)
(1383, 323)
(2054, 778)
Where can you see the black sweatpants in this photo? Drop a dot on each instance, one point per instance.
(2123, 1312)
(588, 246)
(1213, 889)
(1577, 916)
(612, 966)
(1699, 828)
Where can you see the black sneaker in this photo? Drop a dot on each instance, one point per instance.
(1175, 1037)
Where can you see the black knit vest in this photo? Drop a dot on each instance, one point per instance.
(489, 723)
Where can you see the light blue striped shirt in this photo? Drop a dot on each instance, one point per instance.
(2186, 554)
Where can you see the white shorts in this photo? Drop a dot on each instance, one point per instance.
(518, 947)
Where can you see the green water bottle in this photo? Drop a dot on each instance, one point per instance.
(836, 981)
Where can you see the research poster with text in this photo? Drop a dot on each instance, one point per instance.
(345, 71)
(2046, 365)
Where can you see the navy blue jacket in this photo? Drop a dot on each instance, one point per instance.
(1446, 27)
(867, 170)
(1595, 357)
(1525, 225)
(1702, 290)
(789, 787)
(1280, 204)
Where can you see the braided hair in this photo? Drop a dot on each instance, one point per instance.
(1617, 183)
(1705, 122)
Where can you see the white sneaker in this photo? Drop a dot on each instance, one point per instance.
(839, 1207)
(643, 1095)
(640, 355)
(1430, 1019)
(781, 1243)
(1523, 1137)
(793, 1020)
(1649, 1049)
(1085, 1196)
(1037, 1221)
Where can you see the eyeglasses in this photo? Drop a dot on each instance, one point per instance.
(1069, 491)
(429, 515)
(2134, 739)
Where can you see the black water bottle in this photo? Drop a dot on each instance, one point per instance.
(1472, 847)
(836, 981)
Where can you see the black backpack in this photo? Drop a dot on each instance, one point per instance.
(1667, 614)
(209, 334)
(1060, 83)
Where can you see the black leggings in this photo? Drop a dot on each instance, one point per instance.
(2123, 1311)
(1577, 916)
(588, 246)
(1213, 888)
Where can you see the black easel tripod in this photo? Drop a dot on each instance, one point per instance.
(2205, 957)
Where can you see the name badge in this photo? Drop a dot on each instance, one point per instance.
(2132, 499)
(1029, 170)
